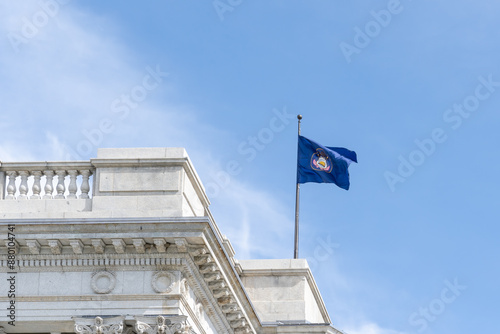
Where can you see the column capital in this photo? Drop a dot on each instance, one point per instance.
(161, 324)
(98, 325)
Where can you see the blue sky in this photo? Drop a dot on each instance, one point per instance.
(412, 86)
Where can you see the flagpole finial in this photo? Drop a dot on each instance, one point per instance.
(299, 117)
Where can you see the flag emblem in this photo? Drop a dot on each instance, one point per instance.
(320, 161)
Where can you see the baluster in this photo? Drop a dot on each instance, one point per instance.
(72, 188)
(60, 188)
(36, 185)
(11, 188)
(49, 188)
(23, 188)
(85, 187)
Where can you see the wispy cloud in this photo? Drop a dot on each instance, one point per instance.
(62, 79)
(61, 84)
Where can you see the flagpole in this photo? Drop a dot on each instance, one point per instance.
(297, 193)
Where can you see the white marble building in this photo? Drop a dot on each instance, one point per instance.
(125, 243)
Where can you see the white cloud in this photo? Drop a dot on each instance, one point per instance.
(62, 81)
(60, 84)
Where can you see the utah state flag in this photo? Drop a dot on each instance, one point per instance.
(323, 164)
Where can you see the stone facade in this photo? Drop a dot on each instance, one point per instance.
(125, 243)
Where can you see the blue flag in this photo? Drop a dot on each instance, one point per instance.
(323, 164)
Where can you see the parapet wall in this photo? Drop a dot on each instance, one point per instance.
(130, 182)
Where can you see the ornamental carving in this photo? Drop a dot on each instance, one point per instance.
(184, 287)
(103, 282)
(162, 325)
(99, 325)
(163, 282)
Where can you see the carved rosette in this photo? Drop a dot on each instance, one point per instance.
(103, 282)
(99, 325)
(163, 282)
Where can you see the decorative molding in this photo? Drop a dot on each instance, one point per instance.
(208, 268)
(234, 316)
(97, 279)
(229, 308)
(198, 309)
(77, 246)
(181, 244)
(139, 245)
(160, 245)
(221, 293)
(196, 251)
(91, 297)
(163, 282)
(119, 245)
(33, 246)
(98, 245)
(99, 325)
(212, 277)
(217, 284)
(55, 246)
(93, 262)
(203, 259)
(128, 330)
(184, 287)
(197, 264)
(16, 245)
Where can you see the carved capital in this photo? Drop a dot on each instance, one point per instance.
(161, 325)
(99, 325)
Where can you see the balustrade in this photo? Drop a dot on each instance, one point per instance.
(36, 181)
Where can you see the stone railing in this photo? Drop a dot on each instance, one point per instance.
(118, 182)
(45, 180)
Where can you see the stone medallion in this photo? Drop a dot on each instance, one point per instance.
(103, 282)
